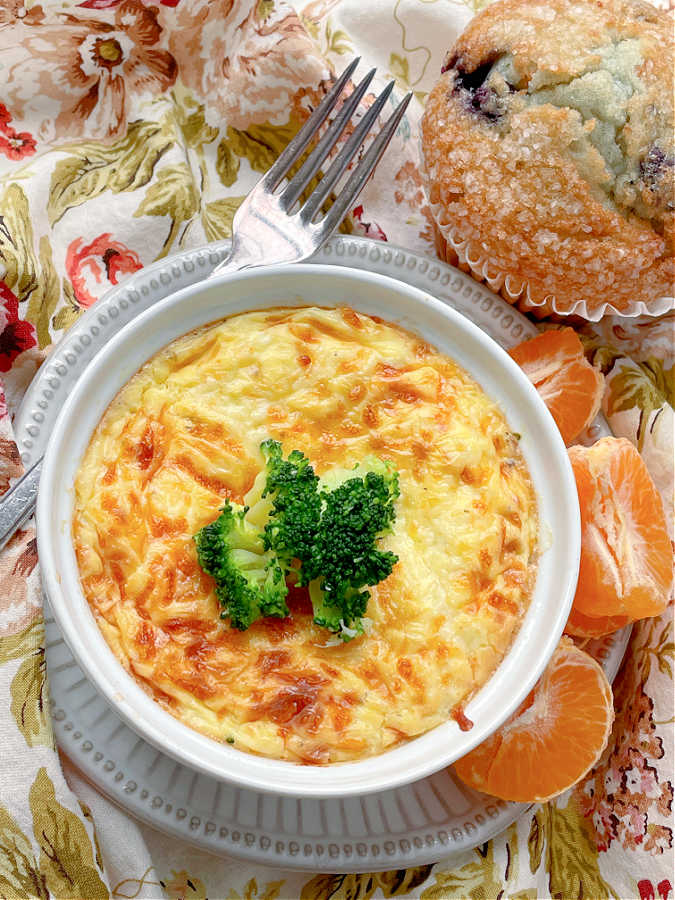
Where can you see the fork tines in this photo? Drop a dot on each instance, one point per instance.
(292, 192)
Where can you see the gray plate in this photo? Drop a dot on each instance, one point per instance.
(415, 824)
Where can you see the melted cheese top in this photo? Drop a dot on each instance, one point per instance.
(184, 434)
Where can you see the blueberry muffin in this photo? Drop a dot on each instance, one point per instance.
(548, 148)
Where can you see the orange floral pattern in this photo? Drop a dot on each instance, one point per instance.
(129, 130)
(93, 267)
(88, 71)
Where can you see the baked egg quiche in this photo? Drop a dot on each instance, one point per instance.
(183, 437)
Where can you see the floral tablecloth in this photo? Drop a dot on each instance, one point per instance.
(130, 129)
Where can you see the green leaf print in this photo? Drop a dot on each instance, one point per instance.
(264, 9)
(399, 882)
(252, 891)
(602, 357)
(399, 68)
(20, 876)
(29, 700)
(227, 163)
(536, 840)
(71, 312)
(476, 880)
(66, 854)
(217, 217)
(29, 275)
(16, 646)
(86, 812)
(95, 167)
(195, 129)
(310, 25)
(44, 299)
(662, 378)
(22, 275)
(172, 194)
(337, 41)
(571, 857)
(261, 144)
(339, 887)
(645, 386)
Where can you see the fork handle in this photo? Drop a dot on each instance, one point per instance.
(18, 504)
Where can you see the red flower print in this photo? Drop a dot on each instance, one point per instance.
(15, 334)
(16, 145)
(664, 888)
(13, 144)
(646, 889)
(5, 117)
(99, 263)
(369, 229)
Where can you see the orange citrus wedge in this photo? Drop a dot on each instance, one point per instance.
(594, 626)
(626, 564)
(554, 738)
(567, 383)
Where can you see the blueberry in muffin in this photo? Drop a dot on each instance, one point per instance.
(548, 143)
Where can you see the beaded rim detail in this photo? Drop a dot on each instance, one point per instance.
(173, 809)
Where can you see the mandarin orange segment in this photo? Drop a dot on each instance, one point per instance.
(594, 626)
(567, 383)
(626, 564)
(553, 740)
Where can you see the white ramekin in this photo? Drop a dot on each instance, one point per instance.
(451, 333)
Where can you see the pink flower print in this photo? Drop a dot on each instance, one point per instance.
(659, 839)
(612, 781)
(368, 229)
(640, 778)
(665, 802)
(109, 4)
(98, 65)
(93, 267)
(633, 825)
(604, 825)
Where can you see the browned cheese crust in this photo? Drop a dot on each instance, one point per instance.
(184, 434)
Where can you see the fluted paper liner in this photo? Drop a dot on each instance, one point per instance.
(472, 257)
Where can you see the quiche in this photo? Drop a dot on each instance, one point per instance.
(184, 435)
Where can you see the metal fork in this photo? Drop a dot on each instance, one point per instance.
(265, 228)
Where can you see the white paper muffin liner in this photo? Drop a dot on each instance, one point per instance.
(472, 257)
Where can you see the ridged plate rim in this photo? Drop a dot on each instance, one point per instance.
(124, 780)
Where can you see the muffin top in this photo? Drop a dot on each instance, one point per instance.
(553, 123)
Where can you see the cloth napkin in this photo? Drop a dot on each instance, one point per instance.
(129, 130)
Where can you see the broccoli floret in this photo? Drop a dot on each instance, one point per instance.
(358, 509)
(323, 532)
(249, 580)
(333, 478)
(292, 487)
